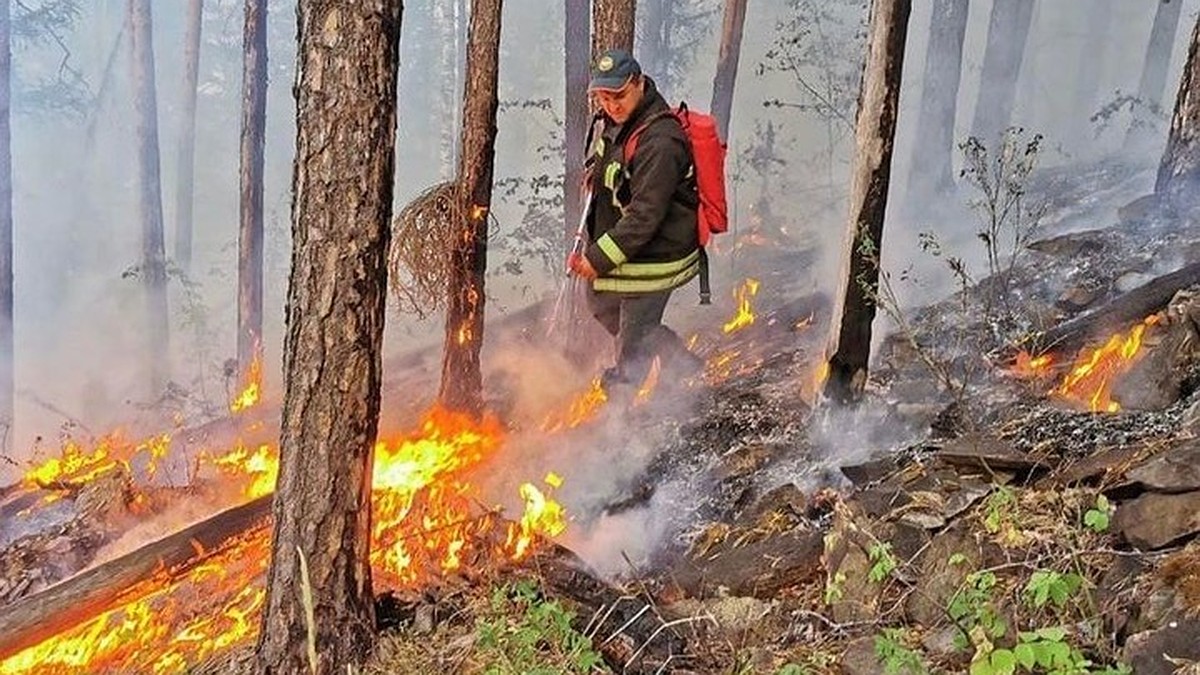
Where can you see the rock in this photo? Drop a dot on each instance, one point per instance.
(1078, 298)
(1116, 593)
(940, 642)
(880, 501)
(1070, 245)
(859, 657)
(940, 579)
(784, 502)
(1147, 652)
(975, 451)
(735, 615)
(1105, 466)
(1131, 280)
(740, 564)
(870, 472)
(1154, 520)
(1181, 572)
(1191, 417)
(1176, 470)
(847, 568)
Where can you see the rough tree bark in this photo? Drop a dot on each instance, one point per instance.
(727, 64)
(1008, 31)
(875, 130)
(1153, 82)
(1180, 167)
(462, 380)
(576, 29)
(185, 179)
(933, 152)
(153, 268)
(7, 348)
(613, 24)
(250, 230)
(341, 214)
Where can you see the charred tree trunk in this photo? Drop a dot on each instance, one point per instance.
(1180, 167)
(185, 185)
(153, 267)
(727, 64)
(613, 24)
(250, 231)
(933, 152)
(1153, 82)
(462, 380)
(7, 347)
(875, 131)
(575, 40)
(341, 215)
(1008, 31)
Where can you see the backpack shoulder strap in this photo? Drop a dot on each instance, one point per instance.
(631, 141)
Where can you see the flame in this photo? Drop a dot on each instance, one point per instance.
(581, 410)
(425, 522)
(745, 312)
(78, 465)
(648, 385)
(1028, 367)
(1090, 379)
(252, 390)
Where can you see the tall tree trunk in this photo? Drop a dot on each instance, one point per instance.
(613, 23)
(1092, 53)
(1153, 82)
(933, 152)
(727, 64)
(185, 181)
(154, 269)
(576, 29)
(462, 380)
(446, 19)
(341, 215)
(1179, 172)
(875, 132)
(7, 343)
(250, 232)
(1008, 31)
(654, 38)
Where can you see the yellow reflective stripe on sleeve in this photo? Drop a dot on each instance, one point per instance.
(644, 285)
(610, 175)
(611, 250)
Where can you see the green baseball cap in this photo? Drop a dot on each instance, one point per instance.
(613, 70)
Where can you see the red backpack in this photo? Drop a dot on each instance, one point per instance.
(708, 158)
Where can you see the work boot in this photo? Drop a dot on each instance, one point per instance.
(617, 388)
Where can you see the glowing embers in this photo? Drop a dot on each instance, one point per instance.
(745, 310)
(1089, 381)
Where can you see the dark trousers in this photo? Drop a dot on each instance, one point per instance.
(635, 322)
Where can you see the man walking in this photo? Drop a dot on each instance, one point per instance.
(641, 223)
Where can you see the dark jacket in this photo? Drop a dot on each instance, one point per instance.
(642, 221)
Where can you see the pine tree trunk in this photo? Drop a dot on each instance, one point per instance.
(341, 214)
(186, 185)
(875, 131)
(727, 64)
(1092, 52)
(654, 38)
(154, 270)
(7, 346)
(933, 152)
(250, 232)
(445, 19)
(1179, 171)
(613, 23)
(576, 29)
(462, 379)
(1153, 82)
(1008, 31)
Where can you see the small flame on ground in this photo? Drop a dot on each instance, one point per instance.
(1028, 366)
(648, 385)
(252, 389)
(582, 409)
(745, 311)
(1090, 379)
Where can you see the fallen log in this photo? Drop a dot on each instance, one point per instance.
(74, 600)
(1116, 315)
(758, 569)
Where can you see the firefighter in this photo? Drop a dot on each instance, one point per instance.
(641, 223)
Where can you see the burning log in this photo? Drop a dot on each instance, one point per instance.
(1070, 336)
(71, 602)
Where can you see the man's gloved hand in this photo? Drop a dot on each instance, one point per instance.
(579, 265)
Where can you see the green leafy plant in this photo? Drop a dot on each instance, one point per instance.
(1048, 586)
(1098, 517)
(526, 634)
(883, 562)
(1000, 511)
(973, 610)
(835, 588)
(895, 656)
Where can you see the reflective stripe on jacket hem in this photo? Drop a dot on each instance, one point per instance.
(646, 277)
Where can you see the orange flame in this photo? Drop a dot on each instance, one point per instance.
(252, 390)
(424, 523)
(1090, 379)
(581, 410)
(1028, 367)
(745, 312)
